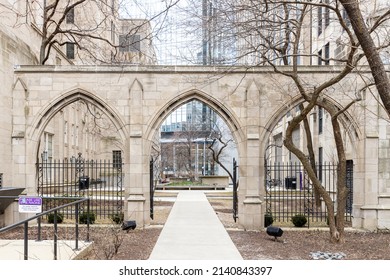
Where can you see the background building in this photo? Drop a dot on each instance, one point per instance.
(79, 127)
(186, 135)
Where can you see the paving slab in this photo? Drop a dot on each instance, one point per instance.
(41, 250)
(193, 231)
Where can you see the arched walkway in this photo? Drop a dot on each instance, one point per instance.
(137, 100)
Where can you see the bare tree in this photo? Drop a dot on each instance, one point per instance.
(371, 50)
(284, 21)
(91, 30)
(218, 147)
(279, 33)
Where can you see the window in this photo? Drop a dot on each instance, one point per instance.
(77, 136)
(72, 136)
(70, 16)
(48, 145)
(130, 43)
(319, 20)
(112, 32)
(113, 6)
(327, 15)
(70, 50)
(66, 132)
(86, 137)
(319, 57)
(117, 159)
(320, 159)
(320, 120)
(1, 180)
(327, 54)
(346, 18)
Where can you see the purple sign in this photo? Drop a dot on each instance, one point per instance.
(29, 204)
(30, 201)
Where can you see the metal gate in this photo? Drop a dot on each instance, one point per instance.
(289, 192)
(349, 184)
(235, 190)
(100, 180)
(151, 188)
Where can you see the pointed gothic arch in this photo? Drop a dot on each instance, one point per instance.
(47, 112)
(225, 113)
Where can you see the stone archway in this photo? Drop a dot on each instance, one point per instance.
(137, 98)
(36, 124)
(249, 204)
(276, 169)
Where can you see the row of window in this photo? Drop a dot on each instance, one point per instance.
(74, 134)
(323, 17)
(127, 43)
(324, 55)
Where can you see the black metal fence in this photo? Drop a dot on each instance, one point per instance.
(289, 192)
(99, 180)
(151, 187)
(235, 190)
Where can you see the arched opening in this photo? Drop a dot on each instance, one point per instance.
(288, 188)
(193, 148)
(80, 148)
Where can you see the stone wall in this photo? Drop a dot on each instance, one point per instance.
(138, 99)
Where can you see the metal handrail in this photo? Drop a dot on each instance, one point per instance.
(38, 216)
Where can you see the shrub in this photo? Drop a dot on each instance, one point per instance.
(83, 217)
(268, 219)
(50, 218)
(299, 220)
(117, 218)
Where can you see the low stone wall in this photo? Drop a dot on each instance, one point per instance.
(215, 180)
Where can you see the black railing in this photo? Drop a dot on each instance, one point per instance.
(151, 187)
(55, 211)
(100, 180)
(289, 192)
(235, 190)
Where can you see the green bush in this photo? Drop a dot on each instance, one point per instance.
(50, 218)
(268, 219)
(117, 218)
(299, 220)
(83, 217)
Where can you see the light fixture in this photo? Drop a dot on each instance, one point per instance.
(274, 231)
(128, 225)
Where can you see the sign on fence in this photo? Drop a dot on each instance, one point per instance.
(29, 204)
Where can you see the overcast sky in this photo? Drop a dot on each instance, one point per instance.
(172, 46)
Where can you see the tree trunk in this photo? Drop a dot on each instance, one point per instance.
(310, 150)
(336, 227)
(363, 35)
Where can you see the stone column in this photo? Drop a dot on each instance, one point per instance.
(137, 200)
(369, 190)
(250, 212)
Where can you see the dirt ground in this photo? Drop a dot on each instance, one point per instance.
(110, 242)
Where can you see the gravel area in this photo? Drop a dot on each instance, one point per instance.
(110, 242)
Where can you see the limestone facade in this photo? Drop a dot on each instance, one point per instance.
(138, 99)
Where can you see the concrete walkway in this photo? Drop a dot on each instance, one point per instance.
(194, 232)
